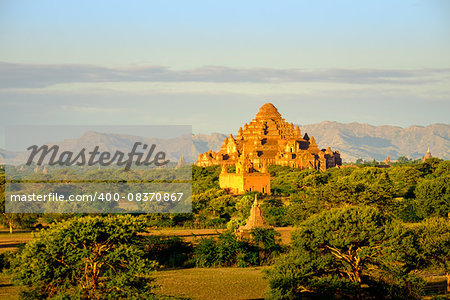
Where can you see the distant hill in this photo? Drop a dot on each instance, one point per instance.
(173, 147)
(352, 140)
(365, 141)
(205, 142)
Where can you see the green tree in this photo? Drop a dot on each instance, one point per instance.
(434, 241)
(226, 251)
(87, 258)
(429, 166)
(301, 207)
(222, 206)
(359, 161)
(17, 220)
(201, 201)
(204, 178)
(433, 197)
(243, 206)
(268, 242)
(274, 211)
(368, 185)
(404, 180)
(442, 169)
(403, 160)
(350, 252)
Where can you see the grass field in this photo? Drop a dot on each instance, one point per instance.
(7, 290)
(197, 283)
(213, 283)
(9, 242)
(189, 235)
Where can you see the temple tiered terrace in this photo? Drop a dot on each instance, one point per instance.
(270, 140)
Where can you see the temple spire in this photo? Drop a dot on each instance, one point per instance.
(427, 155)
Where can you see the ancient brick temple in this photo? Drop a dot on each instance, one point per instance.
(255, 220)
(245, 179)
(270, 140)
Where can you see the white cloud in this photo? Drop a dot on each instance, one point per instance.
(40, 75)
(92, 109)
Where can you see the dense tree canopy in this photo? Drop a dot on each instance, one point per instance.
(347, 252)
(434, 244)
(433, 197)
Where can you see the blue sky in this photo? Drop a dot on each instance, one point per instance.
(211, 64)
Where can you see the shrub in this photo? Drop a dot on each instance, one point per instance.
(168, 251)
(268, 243)
(234, 224)
(227, 250)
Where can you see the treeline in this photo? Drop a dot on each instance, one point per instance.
(409, 192)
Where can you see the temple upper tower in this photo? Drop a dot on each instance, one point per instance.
(269, 140)
(268, 111)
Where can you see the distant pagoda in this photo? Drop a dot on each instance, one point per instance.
(427, 155)
(255, 220)
(181, 162)
(270, 140)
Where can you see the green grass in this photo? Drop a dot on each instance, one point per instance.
(197, 283)
(10, 242)
(24, 236)
(213, 283)
(7, 290)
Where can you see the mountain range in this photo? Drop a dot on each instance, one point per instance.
(368, 142)
(353, 141)
(173, 148)
(356, 140)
